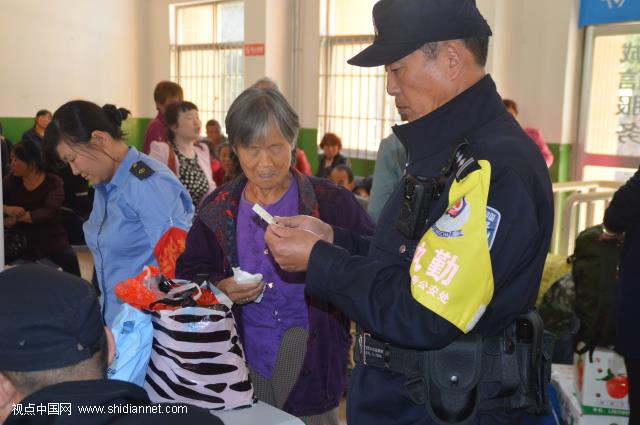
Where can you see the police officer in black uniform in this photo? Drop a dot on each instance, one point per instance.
(418, 362)
(54, 351)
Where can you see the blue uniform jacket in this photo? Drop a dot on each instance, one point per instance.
(623, 215)
(369, 280)
(129, 216)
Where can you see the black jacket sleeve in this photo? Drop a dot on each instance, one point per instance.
(623, 212)
(377, 295)
(355, 244)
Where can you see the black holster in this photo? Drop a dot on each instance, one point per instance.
(453, 375)
(506, 373)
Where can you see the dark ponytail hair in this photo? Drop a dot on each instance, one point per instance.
(74, 122)
(172, 113)
(117, 115)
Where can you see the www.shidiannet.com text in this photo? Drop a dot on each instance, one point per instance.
(32, 409)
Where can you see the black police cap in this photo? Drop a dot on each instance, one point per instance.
(402, 26)
(48, 319)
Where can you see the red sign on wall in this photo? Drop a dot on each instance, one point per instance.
(254, 49)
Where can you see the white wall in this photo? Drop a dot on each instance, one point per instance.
(157, 59)
(270, 22)
(535, 59)
(266, 21)
(117, 50)
(54, 51)
(309, 63)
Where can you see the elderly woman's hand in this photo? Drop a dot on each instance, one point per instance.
(290, 247)
(306, 222)
(14, 211)
(240, 293)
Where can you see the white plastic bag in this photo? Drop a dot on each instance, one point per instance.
(245, 278)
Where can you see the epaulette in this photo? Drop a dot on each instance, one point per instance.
(141, 170)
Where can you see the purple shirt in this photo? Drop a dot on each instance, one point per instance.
(283, 305)
(212, 248)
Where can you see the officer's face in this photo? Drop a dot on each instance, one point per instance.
(89, 161)
(266, 161)
(419, 84)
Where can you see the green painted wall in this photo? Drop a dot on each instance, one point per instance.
(133, 127)
(307, 141)
(362, 167)
(14, 127)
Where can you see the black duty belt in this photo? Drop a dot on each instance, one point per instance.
(373, 352)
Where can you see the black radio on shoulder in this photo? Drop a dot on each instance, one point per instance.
(418, 194)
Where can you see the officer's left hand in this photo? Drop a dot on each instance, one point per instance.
(290, 247)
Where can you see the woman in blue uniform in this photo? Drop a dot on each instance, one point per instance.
(139, 203)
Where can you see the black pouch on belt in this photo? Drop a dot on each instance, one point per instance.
(453, 374)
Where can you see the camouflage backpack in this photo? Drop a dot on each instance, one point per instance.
(557, 306)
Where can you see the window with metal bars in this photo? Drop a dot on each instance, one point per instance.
(354, 103)
(206, 56)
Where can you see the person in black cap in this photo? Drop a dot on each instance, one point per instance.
(442, 293)
(54, 352)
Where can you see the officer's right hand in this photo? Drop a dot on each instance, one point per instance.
(307, 222)
(240, 293)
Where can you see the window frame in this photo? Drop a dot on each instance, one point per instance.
(362, 149)
(216, 48)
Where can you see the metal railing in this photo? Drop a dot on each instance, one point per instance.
(578, 205)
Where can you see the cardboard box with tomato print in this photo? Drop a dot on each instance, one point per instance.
(602, 385)
(562, 377)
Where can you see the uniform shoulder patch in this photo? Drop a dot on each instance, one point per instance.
(493, 222)
(141, 170)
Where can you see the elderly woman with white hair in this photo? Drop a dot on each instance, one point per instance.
(296, 346)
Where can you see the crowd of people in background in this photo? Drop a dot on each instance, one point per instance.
(187, 183)
(201, 164)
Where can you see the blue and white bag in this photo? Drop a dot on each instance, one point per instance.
(133, 333)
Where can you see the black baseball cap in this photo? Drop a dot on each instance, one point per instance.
(402, 26)
(48, 319)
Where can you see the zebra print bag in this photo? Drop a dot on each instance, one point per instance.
(197, 359)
